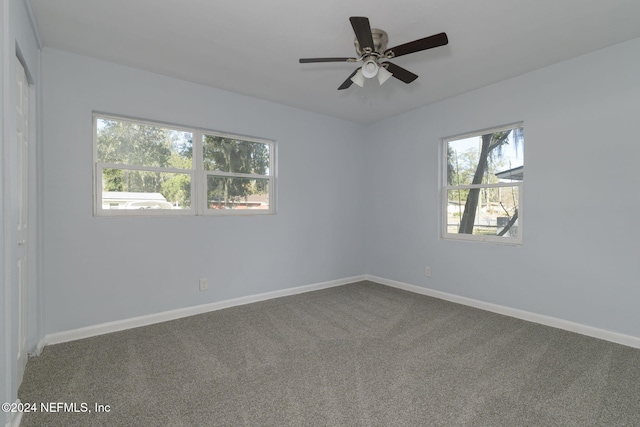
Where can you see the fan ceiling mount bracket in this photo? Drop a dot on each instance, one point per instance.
(380, 40)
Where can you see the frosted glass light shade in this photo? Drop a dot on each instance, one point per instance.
(383, 75)
(358, 78)
(370, 69)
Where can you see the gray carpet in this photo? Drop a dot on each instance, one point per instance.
(356, 355)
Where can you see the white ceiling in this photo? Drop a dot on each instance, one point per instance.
(252, 47)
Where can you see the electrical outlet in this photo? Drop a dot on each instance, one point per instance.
(204, 284)
(427, 271)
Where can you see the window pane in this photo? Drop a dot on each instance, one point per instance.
(237, 193)
(130, 189)
(140, 144)
(496, 212)
(236, 156)
(486, 159)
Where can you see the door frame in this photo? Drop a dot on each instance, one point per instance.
(21, 187)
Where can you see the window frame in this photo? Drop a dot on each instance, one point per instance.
(446, 187)
(197, 173)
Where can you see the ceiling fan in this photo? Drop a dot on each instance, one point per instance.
(371, 47)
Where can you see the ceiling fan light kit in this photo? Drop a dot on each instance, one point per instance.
(370, 68)
(371, 47)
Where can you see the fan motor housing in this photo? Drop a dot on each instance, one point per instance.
(380, 40)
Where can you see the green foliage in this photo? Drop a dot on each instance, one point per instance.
(136, 144)
(235, 157)
(177, 188)
(132, 144)
(112, 180)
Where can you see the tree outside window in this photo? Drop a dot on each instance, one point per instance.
(483, 180)
(149, 168)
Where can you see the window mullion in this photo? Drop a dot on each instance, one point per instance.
(143, 168)
(470, 186)
(236, 175)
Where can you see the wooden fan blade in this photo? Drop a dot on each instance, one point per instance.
(347, 83)
(418, 45)
(362, 29)
(400, 73)
(310, 60)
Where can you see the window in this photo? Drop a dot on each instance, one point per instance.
(482, 192)
(146, 168)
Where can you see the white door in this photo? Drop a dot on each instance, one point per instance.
(22, 185)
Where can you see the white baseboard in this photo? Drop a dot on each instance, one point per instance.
(590, 331)
(16, 418)
(120, 325)
(39, 347)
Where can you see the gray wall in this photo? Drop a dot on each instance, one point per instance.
(579, 260)
(104, 269)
